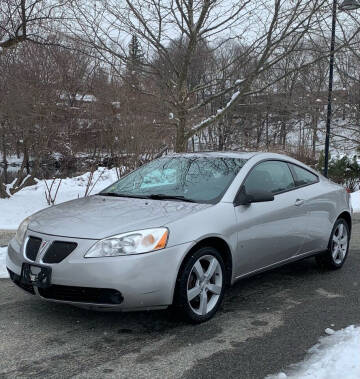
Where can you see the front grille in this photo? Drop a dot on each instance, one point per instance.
(16, 279)
(58, 251)
(32, 248)
(82, 294)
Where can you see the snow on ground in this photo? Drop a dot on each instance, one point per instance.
(355, 201)
(31, 199)
(3, 271)
(12, 160)
(335, 356)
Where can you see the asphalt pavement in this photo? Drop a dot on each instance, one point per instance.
(266, 323)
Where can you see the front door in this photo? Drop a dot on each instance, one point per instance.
(269, 232)
(318, 205)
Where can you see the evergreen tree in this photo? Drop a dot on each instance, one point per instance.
(342, 170)
(134, 61)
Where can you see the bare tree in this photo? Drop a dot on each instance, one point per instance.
(138, 78)
(28, 20)
(52, 191)
(185, 25)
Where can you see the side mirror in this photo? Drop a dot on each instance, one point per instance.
(244, 198)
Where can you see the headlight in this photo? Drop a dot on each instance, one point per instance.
(20, 233)
(141, 241)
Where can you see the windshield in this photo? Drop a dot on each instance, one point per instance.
(193, 178)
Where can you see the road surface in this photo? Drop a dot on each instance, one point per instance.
(266, 323)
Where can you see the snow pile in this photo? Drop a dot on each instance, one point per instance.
(355, 201)
(3, 271)
(31, 199)
(335, 356)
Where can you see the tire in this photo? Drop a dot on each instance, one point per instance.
(335, 255)
(200, 286)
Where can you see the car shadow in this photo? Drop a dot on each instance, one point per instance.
(150, 322)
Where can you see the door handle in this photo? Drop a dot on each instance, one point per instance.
(299, 202)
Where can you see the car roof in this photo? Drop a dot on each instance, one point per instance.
(217, 154)
(259, 155)
(235, 154)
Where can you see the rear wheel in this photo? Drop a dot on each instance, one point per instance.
(338, 247)
(200, 285)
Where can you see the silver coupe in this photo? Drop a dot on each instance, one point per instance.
(179, 230)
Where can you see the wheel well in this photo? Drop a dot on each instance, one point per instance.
(221, 246)
(346, 216)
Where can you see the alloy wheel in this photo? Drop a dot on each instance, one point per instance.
(204, 285)
(339, 245)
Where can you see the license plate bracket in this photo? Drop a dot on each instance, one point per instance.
(36, 275)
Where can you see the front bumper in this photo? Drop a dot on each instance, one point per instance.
(144, 281)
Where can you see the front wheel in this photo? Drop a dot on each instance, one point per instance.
(200, 285)
(338, 247)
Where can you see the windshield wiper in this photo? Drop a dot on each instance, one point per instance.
(114, 194)
(161, 196)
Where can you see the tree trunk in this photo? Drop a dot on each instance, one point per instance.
(181, 140)
(259, 132)
(314, 136)
(221, 136)
(267, 132)
(26, 161)
(18, 145)
(3, 143)
(3, 193)
(283, 134)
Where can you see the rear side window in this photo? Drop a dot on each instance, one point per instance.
(303, 177)
(271, 176)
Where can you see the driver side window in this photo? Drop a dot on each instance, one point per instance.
(270, 176)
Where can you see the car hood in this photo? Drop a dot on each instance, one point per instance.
(97, 217)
